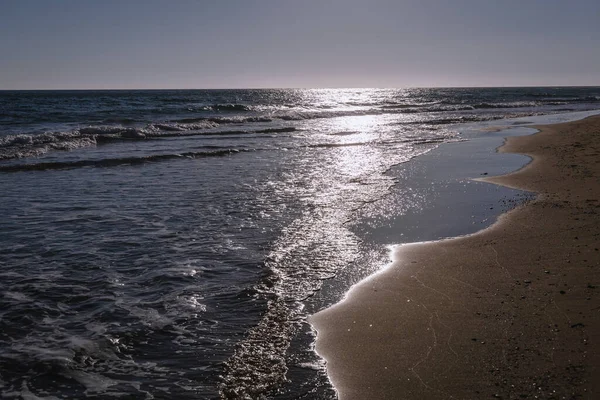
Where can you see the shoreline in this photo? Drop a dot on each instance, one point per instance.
(506, 312)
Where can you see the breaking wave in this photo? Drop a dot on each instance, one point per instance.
(230, 107)
(31, 145)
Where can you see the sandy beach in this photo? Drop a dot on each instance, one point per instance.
(510, 312)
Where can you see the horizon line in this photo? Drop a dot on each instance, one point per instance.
(306, 88)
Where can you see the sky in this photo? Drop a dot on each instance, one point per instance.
(126, 44)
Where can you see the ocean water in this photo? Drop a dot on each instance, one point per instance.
(170, 244)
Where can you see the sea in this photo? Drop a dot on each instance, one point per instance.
(170, 244)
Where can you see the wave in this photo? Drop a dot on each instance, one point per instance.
(20, 146)
(400, 106)
(186, 133)
(517, 104)
(239, 120)
(228, 107)
(282, 116)
(588, 99)
(33, 145)
(445, 121)
(415, 141)
(113, 162)
(544, 101)
(389, 105)
(308, 115)
(428, 141)
(222, 120)
(30, 145)
(335, 145)
(546, 96)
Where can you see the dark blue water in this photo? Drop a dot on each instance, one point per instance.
(167, 244)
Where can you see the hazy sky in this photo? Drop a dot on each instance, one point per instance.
(65, 44)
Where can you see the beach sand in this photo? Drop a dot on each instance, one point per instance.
(510, 312)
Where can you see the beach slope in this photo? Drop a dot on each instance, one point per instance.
(510, 312)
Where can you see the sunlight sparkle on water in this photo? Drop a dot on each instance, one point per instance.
(356, 129)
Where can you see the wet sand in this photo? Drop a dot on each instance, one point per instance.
(510, 312)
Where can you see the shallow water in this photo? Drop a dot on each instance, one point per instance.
(161, 244)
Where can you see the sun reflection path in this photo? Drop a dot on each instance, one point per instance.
(339, 171)
(360, 128)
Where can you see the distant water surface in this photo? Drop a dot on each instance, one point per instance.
(166, 244)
